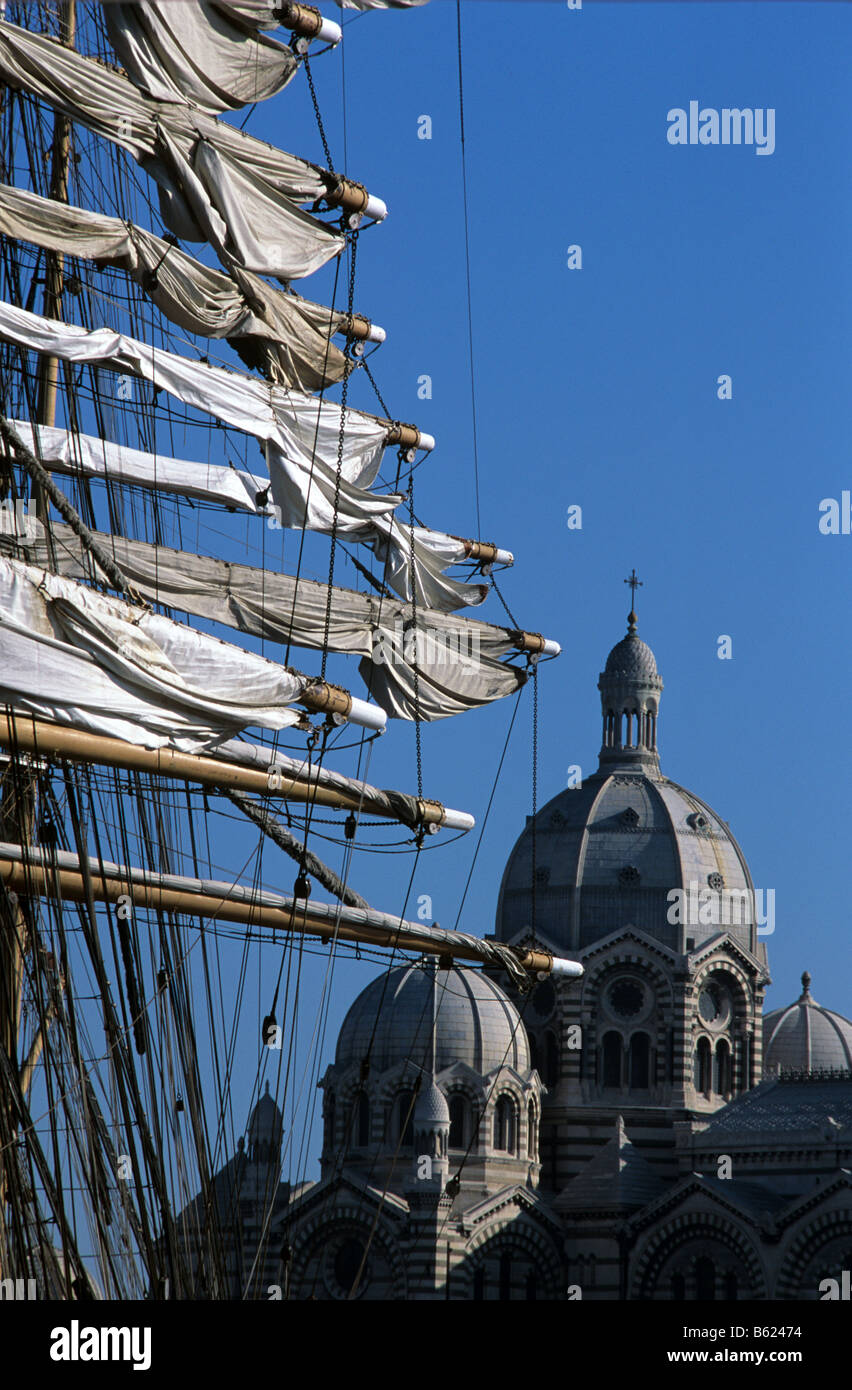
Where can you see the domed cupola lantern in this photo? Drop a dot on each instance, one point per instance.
(630, 689)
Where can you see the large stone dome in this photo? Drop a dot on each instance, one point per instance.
(806, 1037)
(475, 1022)
(609, 853)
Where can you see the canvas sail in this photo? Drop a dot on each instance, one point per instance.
(72, 655)
(198, 51)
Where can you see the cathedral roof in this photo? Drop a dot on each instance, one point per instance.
(805, 1036)
(475, 1022)
(616, 1176)
(819, 1101)
(758, 1198)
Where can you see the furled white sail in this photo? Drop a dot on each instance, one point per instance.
(177, 49)
(459, 661)
(216, 183)
(286, 418)
(75, 656)
(256, 14)
(301, 435)
(289, 334)
(86, 456)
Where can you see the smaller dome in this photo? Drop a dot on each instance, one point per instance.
(806, 1037)
(266, 1124)
(631, 656)
(391, 1021)
(431, 1107)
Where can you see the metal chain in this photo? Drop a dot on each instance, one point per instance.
(353, 250)
(372, 381)
(413, 583)
(327, 151)
(515, 624)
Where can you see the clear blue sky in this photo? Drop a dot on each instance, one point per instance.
(598, 387)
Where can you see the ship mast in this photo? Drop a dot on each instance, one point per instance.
(55, 264)
(17, 799)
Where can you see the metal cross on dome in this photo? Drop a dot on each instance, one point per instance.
(634, 585)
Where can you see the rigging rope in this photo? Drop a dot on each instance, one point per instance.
(339, 474)
(467, 269)
(291, 845)
(42, 478)
(415, 664)
(534, 796)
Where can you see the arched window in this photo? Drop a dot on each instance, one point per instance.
(640, 1062)
(349, 1265)
(330, 1108)
(505, 1276)
(611, 1059)
(551, 1060)
(405, 1117)
(703, 1066)
(458, 1122)
(363, 1133)
(504, 1125)
(705, 1279)
(723, 1067)
(532, 1131)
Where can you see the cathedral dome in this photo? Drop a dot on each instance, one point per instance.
(475, 1022)
(806, 1037)
(612, 851)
